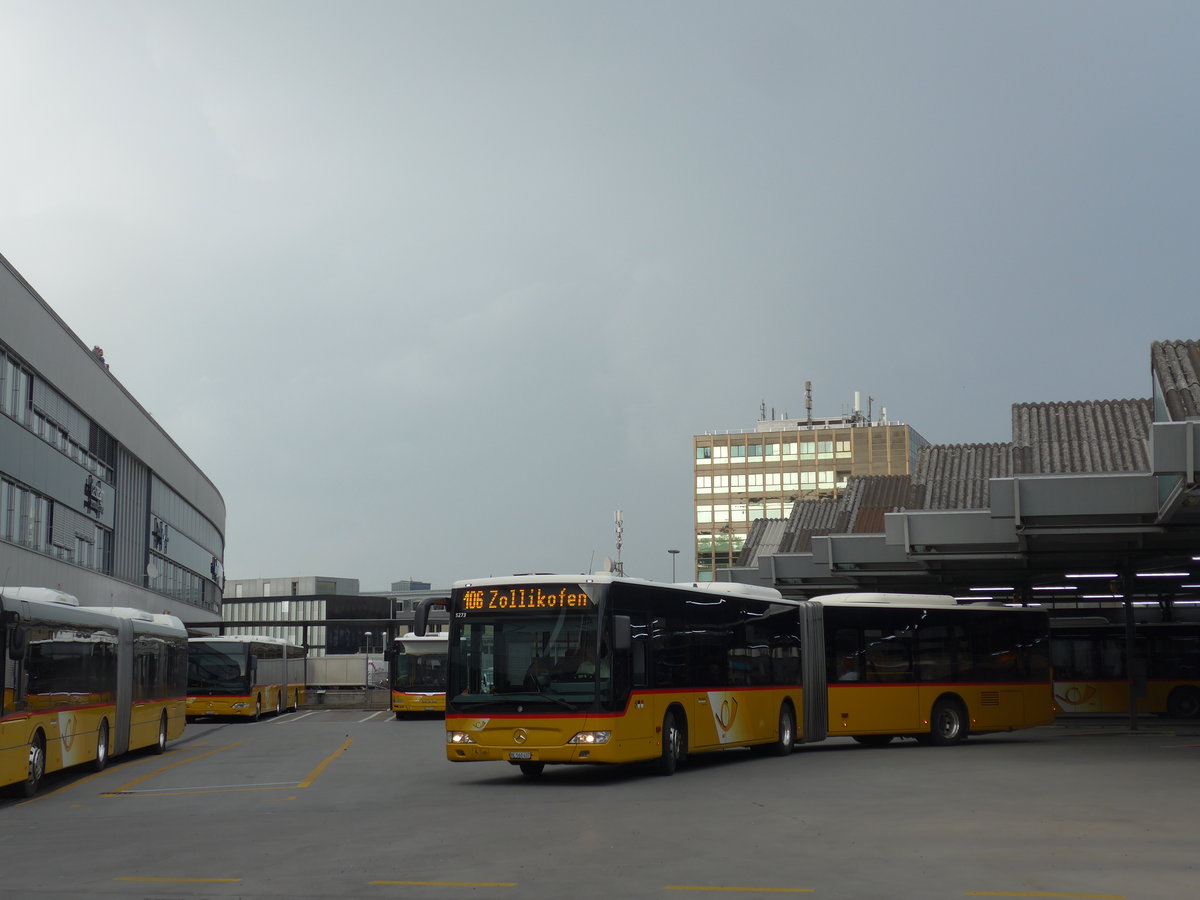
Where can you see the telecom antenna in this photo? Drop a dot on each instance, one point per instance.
(618, 566)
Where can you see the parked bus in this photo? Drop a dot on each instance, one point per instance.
(1091, 674)
(417, 667)
(606, 669)
(243, 675)
(84, 684)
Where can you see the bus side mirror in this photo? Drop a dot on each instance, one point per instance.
(18, 640)
(622, 633)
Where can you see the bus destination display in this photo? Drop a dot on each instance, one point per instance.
(516, 598)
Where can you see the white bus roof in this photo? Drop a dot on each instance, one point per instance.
(57, 606)
(867, 598)
(40, 595)
(727, 588)
(244, 639)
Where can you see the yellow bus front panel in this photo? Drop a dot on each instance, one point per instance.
(419, 701)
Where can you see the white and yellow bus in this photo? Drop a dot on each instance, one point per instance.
(84, 684)
(417, 667)
(244, 675)
(604, 669)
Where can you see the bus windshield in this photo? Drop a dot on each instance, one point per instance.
(552, 658)
(217, 668)
(420, 671)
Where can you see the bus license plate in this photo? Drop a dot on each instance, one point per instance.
(520, 754)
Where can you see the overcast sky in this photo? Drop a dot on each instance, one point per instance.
(429, 290)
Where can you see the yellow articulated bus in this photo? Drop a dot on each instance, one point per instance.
(244, 675)
(605, 669)
(1091, 675)
(84, 684)
(417, 666)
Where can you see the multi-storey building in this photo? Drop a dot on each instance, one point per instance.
(96, 499)
(329, 616)
(743, 476)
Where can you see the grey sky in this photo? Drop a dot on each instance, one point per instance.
(314, 239)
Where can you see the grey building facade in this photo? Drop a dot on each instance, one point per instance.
(96, 499)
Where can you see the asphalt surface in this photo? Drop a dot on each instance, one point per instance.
(353, 803)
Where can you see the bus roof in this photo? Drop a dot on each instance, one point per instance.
(244, 639)
(868, 598)
(727, 588)
(56, 606)
(413, 638)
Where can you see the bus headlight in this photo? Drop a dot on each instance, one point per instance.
(459, 737)
(240, 706)
(591, 737)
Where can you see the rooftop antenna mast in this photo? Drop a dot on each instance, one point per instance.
(618, 566)
(808, 401)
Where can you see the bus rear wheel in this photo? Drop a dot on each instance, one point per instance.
(947, 724)
(787, 732)
(160, 746)
(1183, 703)
(101, 759)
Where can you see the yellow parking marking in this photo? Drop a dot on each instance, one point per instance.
(127, 790)
(182, 762)
(1044, 894)
(312, 776)
(454, 884)
(185, 880)
(740, 890)
(115, 764)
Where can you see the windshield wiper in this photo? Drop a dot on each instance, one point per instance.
(542, 693)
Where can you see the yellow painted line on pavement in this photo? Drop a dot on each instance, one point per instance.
(454, 884)
(184, 880)
(739, 890)
(159, 771)
(1044, 894)
(312, 776)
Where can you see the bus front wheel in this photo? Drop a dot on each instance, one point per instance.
(674, 743)
(36, 769)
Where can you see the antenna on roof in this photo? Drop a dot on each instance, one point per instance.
(808, 400)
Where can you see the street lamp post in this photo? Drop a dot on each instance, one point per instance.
(674, 553)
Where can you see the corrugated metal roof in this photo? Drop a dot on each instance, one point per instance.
(1175, 365)
(955, 476)
(1091, 436)
(1082, 436)
(764, 539)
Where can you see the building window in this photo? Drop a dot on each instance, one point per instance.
(703, 454)
(703, 484)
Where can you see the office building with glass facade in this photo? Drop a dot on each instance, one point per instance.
(743, 476)
(96, 499)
